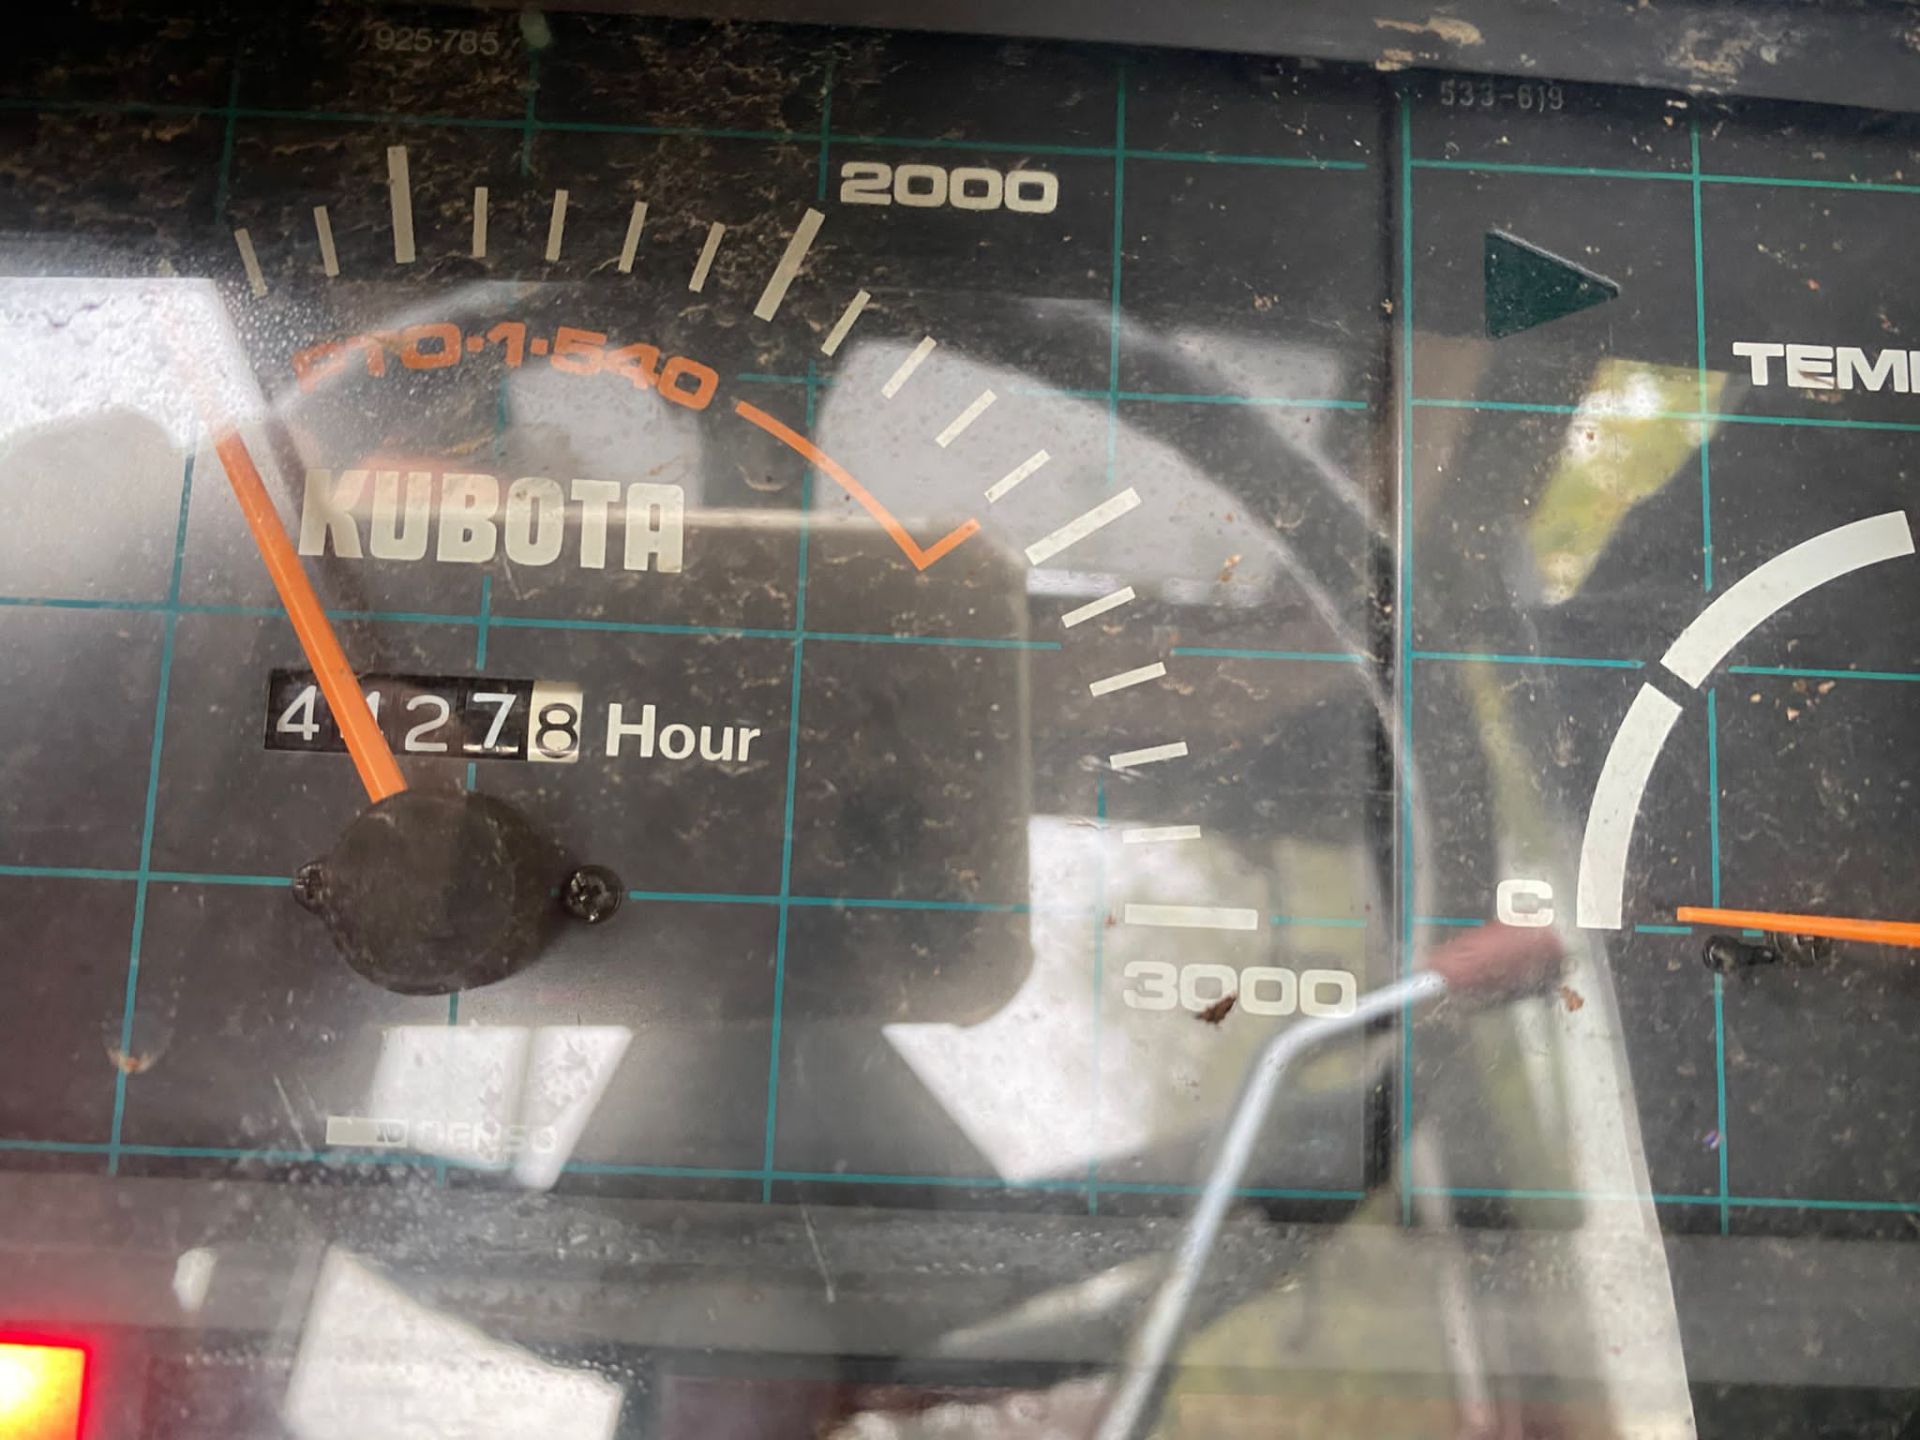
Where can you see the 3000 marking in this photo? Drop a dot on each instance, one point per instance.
(967, 187)
(1262, 989)
(480, 717)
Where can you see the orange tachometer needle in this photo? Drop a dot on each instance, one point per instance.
(921, 555)
(372, 756)
(1833, 927)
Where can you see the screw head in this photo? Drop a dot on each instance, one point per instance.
(1724, 954)
(592, 894)
(1801, 949)
(310, 886)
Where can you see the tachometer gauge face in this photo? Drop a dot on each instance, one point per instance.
(929, 597)
(957, 655)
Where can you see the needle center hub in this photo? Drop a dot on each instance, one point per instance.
(429, 892)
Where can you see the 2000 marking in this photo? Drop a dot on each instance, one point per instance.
(480, 717)
(966, 187)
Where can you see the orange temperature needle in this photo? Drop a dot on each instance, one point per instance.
(372, 756)
(1834, 927)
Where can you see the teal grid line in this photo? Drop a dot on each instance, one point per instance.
(1584, 172)
(196, 877)
(57, 1147)
(415, 1160)
(681, 897)
(1693, 174)
(404, 617)
(1720, 1087)
(55, 602)
(963, 641)
(1696, 417)
(378, 117)
(411, 1160)
(623, 627)
(630, 627)
(1296, 402)
(703, 897)
(675, 897)
(1792, 182)
(1229, 652)
(1116, 265)
(1791, 1202)
(1458, 922)
(143, 877)
(1111, 1187)
(1713, 786)
(680, 132)
(1147, 397)
(826, 130)
(1801, 673)
(66, 872)
(1700, 363)
(482, 623)
(1663, 929)
(1719, 981)
(268, 612)
(1248, 1192)
(1099, 986)
(479, 663)
(1119, 150)
(1496, 1192)
(1179, 397)
(341, 1157)
(530, 122)
(1116, 261)
(107, 107)
(1659, 1199)
(1523, 407)
(1713, 714)
(485, 620)
(947, 142)
(793, 772)
(231, 114)
(1478, 657)
(664, 1172)
(1813, 422)
(1808, 422)
(853, 902)
(1403, 645)
(1217, 157)
(1764, 1202)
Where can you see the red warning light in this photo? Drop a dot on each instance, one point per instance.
(42, 1390)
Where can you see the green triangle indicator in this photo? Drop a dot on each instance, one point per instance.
(1527, 286)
